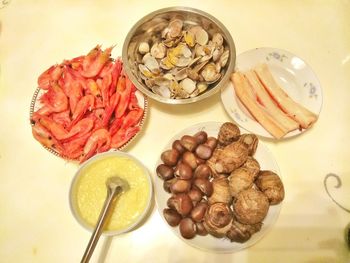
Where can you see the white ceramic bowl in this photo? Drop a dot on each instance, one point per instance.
(73, 205)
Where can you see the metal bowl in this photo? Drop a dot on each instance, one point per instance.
(153, 24)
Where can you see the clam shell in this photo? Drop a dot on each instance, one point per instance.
(166, 64)
(175, 28)
(189, 38)
(162, 91)
(224, 58)
(161, 81)
(218, 39)
(209, 72)
(202, 86)
(188, 85)
(151, 63)
(145, 71)
(181, 74)
(143, 48)
(158, 50)
(201, 37)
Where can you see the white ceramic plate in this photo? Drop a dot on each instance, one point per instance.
(290, 71)
(210, 243)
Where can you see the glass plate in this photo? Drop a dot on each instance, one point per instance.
(290, 71)
(210, 243)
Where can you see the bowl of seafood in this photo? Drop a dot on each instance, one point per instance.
(179, 55)
(218, 189)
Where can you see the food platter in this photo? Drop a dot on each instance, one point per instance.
(290, 71)
(210, 243)
(142, 101)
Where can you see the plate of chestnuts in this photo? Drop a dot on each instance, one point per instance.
(217, 188)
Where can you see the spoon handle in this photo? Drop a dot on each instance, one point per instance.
(99, 226)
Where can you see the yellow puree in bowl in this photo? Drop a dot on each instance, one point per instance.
(90, 192)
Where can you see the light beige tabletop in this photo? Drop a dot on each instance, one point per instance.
(36, 224)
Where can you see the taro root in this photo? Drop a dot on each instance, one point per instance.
(231, 157)
(187, 228)
(251, 141)
(178, 146)
(165, 172)
(271, 185)
(221, 191)
(172, 217)
(190, 159)
(239, 180)
(241, 232)
(212, 161)
(170, 157)
(204, 185)
(217, 220)
(183, 171)
(198, 212)
(253, 166)
(201, 137)
(202, 171)
(182, 203)
(228, 133)
(188, 142)
(251, 206)
(180, 186)
(201, 229)
(204, 151)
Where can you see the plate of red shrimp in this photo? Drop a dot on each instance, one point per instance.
(86, 105)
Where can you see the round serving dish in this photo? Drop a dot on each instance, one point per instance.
(73, 188)
(152, 24)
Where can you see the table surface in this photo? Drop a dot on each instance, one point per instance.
(36, 224)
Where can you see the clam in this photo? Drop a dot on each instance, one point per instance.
(188, 85)
(224, 58)
(201, 37)
(209, 73)
(143, 48)
(218, 39)
(217, 53)
(161, 81)
(158, 50)
(189, 38)
(149, 83)
(181, 74)
(202, 86)
(151, 63)
(175, 28)
(162, 91)
(166, 64)
(145, 71)
(199, 50)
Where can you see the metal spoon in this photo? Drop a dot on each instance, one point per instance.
(115, 186)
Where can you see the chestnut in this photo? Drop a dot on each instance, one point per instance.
(178, 147)
(183, 171)
(201, 230)
(187, 228)
(172, 217)
(170, 157)
(212, 142)
(204, 185)
(180, 186)
(165, 172)
(190, 159)
(195, 194)
(204, 151)
(201, 137)
(182, 203)
(167, 184)
(199, 161)
(189, 142)
(197, 213)
(202, 171)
